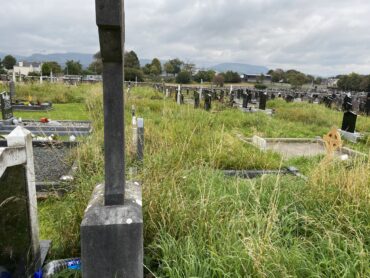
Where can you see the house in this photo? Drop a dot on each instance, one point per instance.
(255, 78)
(24, 68)
(332, 82)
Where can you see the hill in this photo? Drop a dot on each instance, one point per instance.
(61, 58)
(240, 68)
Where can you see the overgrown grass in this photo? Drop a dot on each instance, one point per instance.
(199, 223)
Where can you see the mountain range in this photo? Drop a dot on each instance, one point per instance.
(86, 59)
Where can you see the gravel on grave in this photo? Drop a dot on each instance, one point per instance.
(56, 123)
(51, 162)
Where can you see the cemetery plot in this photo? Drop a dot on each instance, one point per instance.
(54, 166)
(59, 128)
(22, 254)
(19, 105)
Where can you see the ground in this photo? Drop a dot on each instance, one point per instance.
(199, 223)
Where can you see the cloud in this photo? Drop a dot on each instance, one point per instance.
(317, 37)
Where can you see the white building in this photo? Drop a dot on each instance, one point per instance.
(24, 68)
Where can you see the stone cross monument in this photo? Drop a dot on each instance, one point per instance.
(110, 20)
(112, 228)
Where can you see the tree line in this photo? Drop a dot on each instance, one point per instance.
(354, 82)
(71, 67)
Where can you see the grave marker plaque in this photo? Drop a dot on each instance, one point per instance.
(6, 106)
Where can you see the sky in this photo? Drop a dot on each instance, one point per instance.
(325, 37)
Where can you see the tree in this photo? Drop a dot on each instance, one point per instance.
(2, 70)
(96, 66)
(73, 68)
(277, 75)
(206, 76)
(156, 67)
(146, 69)
(168, 67)
(131, 60)
(318, 81)
(351, 82)
(219, 80)
(49, 67)
(297, 80)
(133, 74)
(189, 67)
(34, 74)
(9, 62)
(184, 77)
(173, 66)
(232, 77)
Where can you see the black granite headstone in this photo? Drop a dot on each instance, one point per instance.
(263, 101)
(347, 103)
(207, 102)
(196, 99)
(6, 106)
(15, 227)
(245, 101)
(349, 122)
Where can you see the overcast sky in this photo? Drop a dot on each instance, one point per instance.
(318, 37)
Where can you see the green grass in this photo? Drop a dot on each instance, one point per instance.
(56, 93)
(199, 223)
(69, 111)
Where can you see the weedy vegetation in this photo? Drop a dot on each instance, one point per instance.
(200, 223)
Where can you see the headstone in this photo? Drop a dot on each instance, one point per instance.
(6, 106)
(245, 101)
(140, 139)
(263, 101)
(349, 122)
(112, 228)
(12, 89)
(20, 254)
(196, 99)
(178, 95)
(207, 102)
(231, 99)
(367, 106)
(347, 103)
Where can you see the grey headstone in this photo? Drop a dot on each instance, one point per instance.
(6, 106)
(12, 89)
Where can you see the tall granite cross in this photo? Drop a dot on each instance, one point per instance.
(110, 20)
